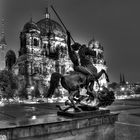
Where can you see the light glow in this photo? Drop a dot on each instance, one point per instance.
(101, 89)
(33, 117)
(122, 89)
(32, 88)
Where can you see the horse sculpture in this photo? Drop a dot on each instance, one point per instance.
(84, 75)
(72, 82)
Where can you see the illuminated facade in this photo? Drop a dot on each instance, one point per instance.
(43, 50)
(99, 61)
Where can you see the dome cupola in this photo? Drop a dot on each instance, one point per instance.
(45, 25)
(31, 27)
(48, 26)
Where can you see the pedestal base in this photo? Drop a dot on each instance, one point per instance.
(83, 113)
(97, 125)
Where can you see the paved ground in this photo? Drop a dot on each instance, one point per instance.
(27, 114)
(15, 111)
(129, 112)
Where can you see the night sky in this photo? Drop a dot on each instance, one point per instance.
(114, 23)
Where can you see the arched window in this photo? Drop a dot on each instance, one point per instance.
(36, 42)
(57, 67)
(63, 69)
(36, 69)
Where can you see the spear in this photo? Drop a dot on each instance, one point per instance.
(61, 21)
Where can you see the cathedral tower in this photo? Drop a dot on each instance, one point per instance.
(98, 61)
(3, 45)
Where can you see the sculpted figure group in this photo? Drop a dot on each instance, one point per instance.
(83, 76)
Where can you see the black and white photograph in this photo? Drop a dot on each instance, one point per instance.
(69, 70)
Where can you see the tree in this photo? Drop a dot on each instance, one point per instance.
(10, 59)
(36, 92)
(8, 84)
(137, 90)
(22, 91)
(113, 85)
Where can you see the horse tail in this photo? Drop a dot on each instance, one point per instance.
(55, 77)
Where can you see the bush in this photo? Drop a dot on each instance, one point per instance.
(23, 93)
(8, 84)
(36, 92)
(137, 90)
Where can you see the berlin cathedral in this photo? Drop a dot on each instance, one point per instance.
(43, 50)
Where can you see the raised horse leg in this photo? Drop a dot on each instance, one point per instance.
(91, 81)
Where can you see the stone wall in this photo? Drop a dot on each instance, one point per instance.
(100, 127)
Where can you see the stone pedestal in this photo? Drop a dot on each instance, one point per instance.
(88, 127)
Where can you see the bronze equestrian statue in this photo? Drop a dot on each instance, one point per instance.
(84, 75)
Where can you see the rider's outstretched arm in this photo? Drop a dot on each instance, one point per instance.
(72, 53)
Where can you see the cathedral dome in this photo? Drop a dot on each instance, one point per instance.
(46, 24)
(30, 26)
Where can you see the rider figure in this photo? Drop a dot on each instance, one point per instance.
(85, 65)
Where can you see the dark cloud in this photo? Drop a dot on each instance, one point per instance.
(115, 23)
